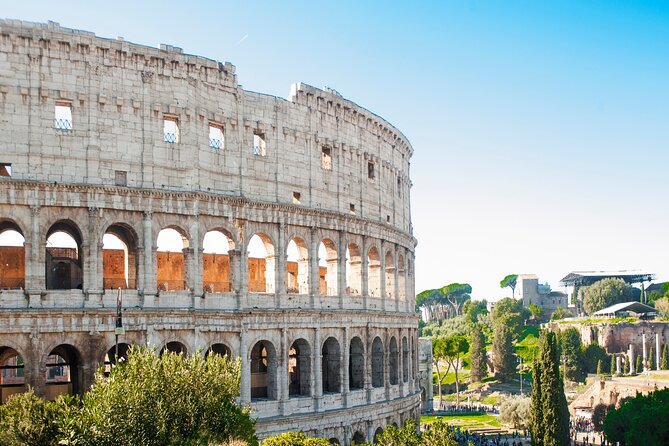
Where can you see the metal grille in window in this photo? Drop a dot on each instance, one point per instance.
(63, 124)
(256, 150)
(215, 143)
(170, 137)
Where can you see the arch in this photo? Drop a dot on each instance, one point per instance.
(331, 365)
(401, 278)
(174, 347)
(328, 268)
(261, 264)
(172, 242)
(390, 274)
(373, 272)
(216, 245)
(377, 362)
(377, 433)
(297, 266)
(219, 349)
(119, 257)
(263, 371)
(299, 369)
(63, 372)
(356, 364)
(405, 360)
(64, 259)
(12, 373)
(353, 270)
(333, 440)
(358, 438)
(12, 256)
(393, 362)
(110, 358)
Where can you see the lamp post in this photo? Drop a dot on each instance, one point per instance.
(118, 330)
(520, 372)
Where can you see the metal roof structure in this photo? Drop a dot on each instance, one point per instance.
(581, 278)
(634, 307)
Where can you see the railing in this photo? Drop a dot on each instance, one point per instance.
(215, 143)
(63, 124)
(170, 137)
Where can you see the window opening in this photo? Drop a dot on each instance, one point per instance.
(259, 144)
(326, 158)
(63, 116)
(171, 129)
(215, 136)
(5, 170)
(296, 197)
(370, 171)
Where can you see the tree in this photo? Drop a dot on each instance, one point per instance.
(639, 364)
(591, 356)
(570, 348)
(613, 365)
(295, 439)
(599, 414)
(510, 281)
(479, 366)
(456, 295)
(395, 436)
(549, 413)
(535, 311)
(456, 347)
(641, 420)
(439, 353)
(511, 313)
(665, 358)
(438, 433)
(472, 309)
(560, 313)
(515, 411)
(27, 420)
(626, 367)
(502, 352)
(662, 305)
(605, 293)
(651, 357)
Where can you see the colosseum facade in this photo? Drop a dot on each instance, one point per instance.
(229, 221)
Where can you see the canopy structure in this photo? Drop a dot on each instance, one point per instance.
(585, 278)
(625, 308)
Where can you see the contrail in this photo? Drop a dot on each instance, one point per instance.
(241, 40)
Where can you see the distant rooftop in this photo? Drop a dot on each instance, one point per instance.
(580, 278)
(634, 307)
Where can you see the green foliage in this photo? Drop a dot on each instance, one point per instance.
(651, 357)
(549, 416)
(604, 293)
(599, 414)
(511, 313)
(662, 305)
(503, 359)
(294, 439)
(27, 420)
(641, 420)
(400, 436)
(613, 370)
(592, 355)
(438, 433)
(479, 367)
(447, 327)
(639, 364)
(515, 412)
(473, 310)
(664, 363)
(509, 281)
(536, 311)
(570, 348)
(560, 313)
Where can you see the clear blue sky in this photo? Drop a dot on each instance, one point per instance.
(540, 129)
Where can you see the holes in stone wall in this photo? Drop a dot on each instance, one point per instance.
(259, 146)
(171, 129)
(5, 170)
(63, 116)
(326, 158)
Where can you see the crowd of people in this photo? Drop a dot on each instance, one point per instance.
(465, 438)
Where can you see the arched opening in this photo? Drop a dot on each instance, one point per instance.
(413, 358)
(334, 441)
(297, 267)
(12, 373)
(219, 349)
(401, 279)
(261, 264)
(330, 366)
(394, 361)
(263, 371)
(377, 362)
(353, 270)
(405, 360)
(12, 257)
(62, 372)
(216, 262)
(377, 434)
(373, 273)
(327, 268)
(174, 347)
(63, 257)
(390, 275)
(299, 369)
(171, 269)
(119, 258)
(111, 356)
(358, 438)
(356, 365)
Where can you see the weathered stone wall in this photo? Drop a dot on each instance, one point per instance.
(114, 173)
(616, 338)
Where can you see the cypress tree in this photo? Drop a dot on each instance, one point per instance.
(626, 369)
(553, 401)
(665, 358)
(502, 351)
(639, 365)
(613, 365)
(651, 358)
(479, 367)
(536, 419)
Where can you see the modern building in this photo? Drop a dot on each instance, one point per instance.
(233, 222)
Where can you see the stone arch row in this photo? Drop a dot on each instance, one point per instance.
(327, 262)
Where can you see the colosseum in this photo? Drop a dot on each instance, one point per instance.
(228, 221)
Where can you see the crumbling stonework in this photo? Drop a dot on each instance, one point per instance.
(107, 137)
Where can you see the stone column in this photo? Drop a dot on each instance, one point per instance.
(341, 268)
(396, 281)
(282, 373)
(618, 365)
(314, 275)
(35, 280)
(382, 275)
(245, 387)
(317, 378)
(236, 277)
(345, 390)
(386, 363)
(150, 281)
(657, 351)
(280, 268)
(196, 263)
(631, 355)
(645, 356)
(368, 363)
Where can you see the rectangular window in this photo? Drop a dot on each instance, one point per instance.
(121, 178)
(5, 170)
(63, 116)
(351, 208)
(326, 158)
(215, 136)
(399, 187)
(171, 129)
(296, 197)
(370, 171)
(259, 144)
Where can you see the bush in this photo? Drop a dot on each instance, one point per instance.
(515, 412)
(27, 420)
(295, 439)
